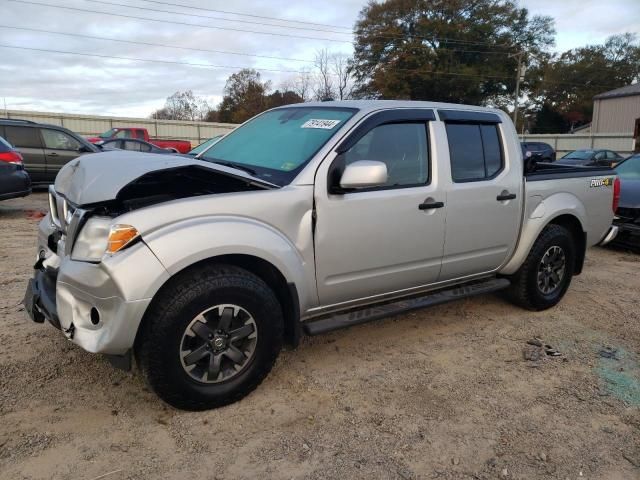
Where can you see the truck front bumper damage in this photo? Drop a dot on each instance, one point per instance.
(103, 321)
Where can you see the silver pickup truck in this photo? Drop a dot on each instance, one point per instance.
(305, 219)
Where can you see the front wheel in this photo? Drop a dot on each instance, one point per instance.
(545, 275)
(210, 338)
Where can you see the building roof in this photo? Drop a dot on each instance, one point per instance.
(629, 90)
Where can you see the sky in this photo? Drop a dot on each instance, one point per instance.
(214, 41)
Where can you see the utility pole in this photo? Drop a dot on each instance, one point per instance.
(519, 76)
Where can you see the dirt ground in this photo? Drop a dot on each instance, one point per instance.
(441, 393)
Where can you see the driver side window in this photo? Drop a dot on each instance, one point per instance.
(56, 140)
(403, 147)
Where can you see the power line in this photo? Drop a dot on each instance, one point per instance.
(229, 67)
(470, 42)
(173, 12)
(173, 22)
(170, 62)
(150, 44)
(245, 14)
(277, 34)
(224, 52)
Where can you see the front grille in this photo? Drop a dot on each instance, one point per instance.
(61, 210)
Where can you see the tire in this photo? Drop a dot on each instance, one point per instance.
(526, 289)
(168, 337)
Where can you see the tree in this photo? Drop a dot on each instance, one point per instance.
(244, 96)
(323, 88)
(549, 120)
(568, 82)
(183, 106)
(279, 98)
(446, 50)
(341, 69)
(302, 85)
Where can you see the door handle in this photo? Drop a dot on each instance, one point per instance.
(430, 205)
(52, 154)
(505, 196)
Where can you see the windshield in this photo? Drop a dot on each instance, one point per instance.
(579, 154)
(276, 145)
(204, 145)
(108, 133)
(630, 168)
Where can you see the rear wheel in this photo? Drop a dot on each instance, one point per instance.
(210, 338)
(545, 275)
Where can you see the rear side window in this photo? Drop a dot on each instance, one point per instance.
(475, 151)
(123, 134)
(24, 137)
(132, 146)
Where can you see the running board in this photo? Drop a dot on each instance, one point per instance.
(355, 317)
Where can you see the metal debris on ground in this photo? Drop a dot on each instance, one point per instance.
(536, 350)
(609, 352)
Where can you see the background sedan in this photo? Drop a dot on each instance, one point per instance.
(601, 158)
(14, 180)
(133, 145)
(628, 214)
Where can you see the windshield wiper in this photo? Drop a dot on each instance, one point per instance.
(237, 166)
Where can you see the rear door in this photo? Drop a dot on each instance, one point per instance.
(484, 194)
(28, 142)
(60, 148)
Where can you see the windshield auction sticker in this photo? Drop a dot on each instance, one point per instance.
(320, 123)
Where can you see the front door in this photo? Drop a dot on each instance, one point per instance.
(378, 241)
(484, 196)
(60, 149)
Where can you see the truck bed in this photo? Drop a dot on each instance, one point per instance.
(551, 171)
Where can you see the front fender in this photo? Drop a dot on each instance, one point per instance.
(540, 213)
(182, 244)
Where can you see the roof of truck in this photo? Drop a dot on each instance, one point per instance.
(380, 104)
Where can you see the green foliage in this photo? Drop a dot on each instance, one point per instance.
(446, 50)
(567, 83)
(246, 95)
(549, 120)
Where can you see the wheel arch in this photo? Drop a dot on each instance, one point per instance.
(286, 292)
(573, 224)
(532, 229)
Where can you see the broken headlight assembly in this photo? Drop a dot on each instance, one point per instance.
(98, 236)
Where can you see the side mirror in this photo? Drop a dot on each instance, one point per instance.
(84, 149)
(364, 174)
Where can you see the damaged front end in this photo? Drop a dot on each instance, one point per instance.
(96, 297)
(172, 184)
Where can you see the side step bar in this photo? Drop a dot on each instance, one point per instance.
(367, 314)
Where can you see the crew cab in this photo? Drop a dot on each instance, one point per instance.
(179, 146)
(305, 219)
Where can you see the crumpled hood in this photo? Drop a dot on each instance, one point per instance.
(629, 193)
(99, 177)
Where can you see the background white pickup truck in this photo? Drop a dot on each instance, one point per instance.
(307, 218)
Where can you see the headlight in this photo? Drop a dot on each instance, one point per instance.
(98, 237)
